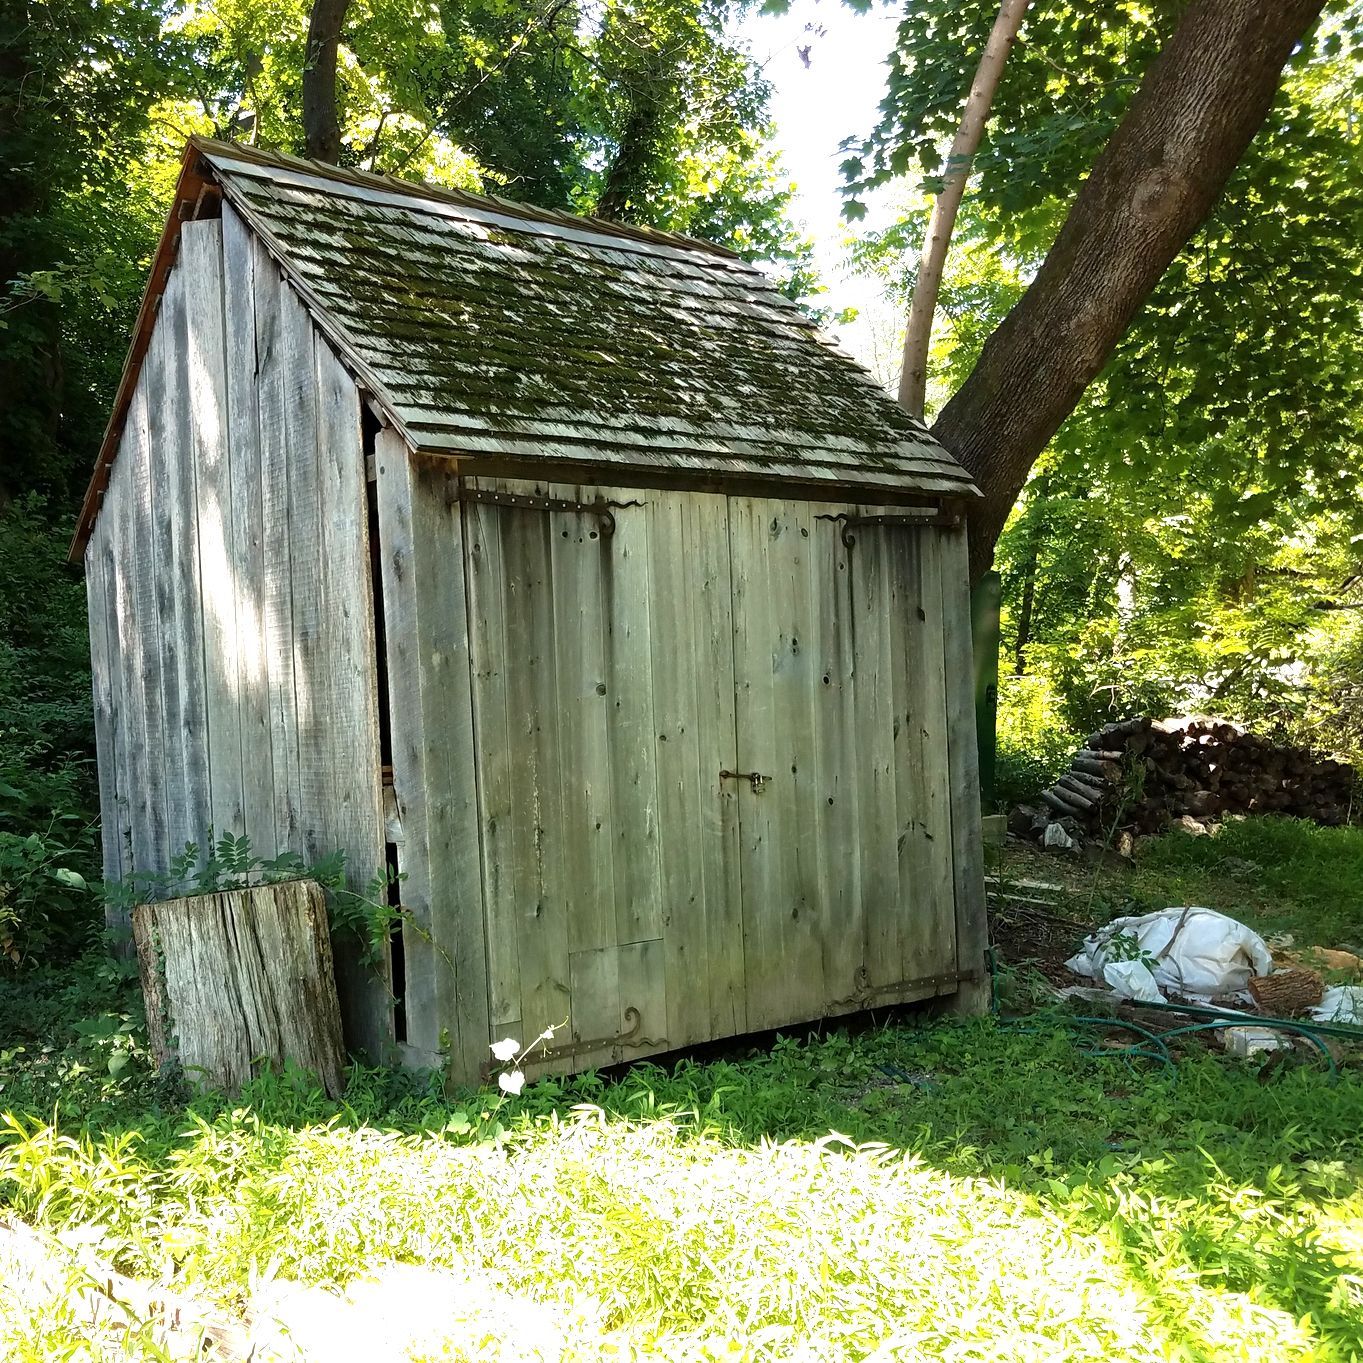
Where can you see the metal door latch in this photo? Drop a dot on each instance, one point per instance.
(754, 778)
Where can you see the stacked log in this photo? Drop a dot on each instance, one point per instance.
(1141, 775)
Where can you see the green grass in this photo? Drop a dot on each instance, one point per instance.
(1290, 875)
(958, 1190)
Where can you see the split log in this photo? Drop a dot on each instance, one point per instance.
(1079, 805)
(238, 977)
(1086, 795)
(1057, 803)
(1287, 993)
(1086, 784)
(1102, 768)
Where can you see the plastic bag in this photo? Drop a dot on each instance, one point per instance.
(1194, 952)
(1342, 1003)
(1132, 980)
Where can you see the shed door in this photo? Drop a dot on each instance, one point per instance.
(603, 690)
(629, 672)
(845, 841)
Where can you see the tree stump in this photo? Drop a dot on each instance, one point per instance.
(240, 978)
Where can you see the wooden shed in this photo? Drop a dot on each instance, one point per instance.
(561, 565)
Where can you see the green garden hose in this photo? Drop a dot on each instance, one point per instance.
(1154, 1045)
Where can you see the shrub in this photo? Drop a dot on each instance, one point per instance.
(46, 906)
(1034, 739)
(47, 787)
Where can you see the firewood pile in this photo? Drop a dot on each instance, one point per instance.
(1141, 775)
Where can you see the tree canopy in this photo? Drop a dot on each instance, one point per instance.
(1189, 535)
(646, 107)
(1192, 524)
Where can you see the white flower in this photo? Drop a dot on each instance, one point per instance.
(546, 1035)
(512, 1082)
(506, 1049)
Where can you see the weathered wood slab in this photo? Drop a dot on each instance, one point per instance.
(241, 979)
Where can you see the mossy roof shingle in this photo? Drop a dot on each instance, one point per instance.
(487, 328)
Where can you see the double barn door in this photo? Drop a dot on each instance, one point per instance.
(712, 751)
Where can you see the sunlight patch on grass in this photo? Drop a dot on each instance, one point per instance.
(674, 1237)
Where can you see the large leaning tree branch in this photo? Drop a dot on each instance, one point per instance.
(1197, 109)
(913, 374)
(321, 123)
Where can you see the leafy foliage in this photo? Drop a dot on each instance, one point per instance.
(1034, 738)
(1179, 538)
(46, 763)
(229, 863)
(76, 84)
(643, 108)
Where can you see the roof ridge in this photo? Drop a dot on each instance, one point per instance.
(459, 198)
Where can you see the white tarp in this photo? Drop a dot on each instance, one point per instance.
(1342, 1003)
(1194, 952)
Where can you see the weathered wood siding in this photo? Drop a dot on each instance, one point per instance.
(567, 688)
(426, 636)
(231, 611)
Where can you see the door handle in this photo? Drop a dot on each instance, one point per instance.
(754, 778)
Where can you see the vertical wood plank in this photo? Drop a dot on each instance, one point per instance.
(782, 948)
(692, 662)
(836, 723)
(421, 534)
(187, 754)
(146, 734)
(714, 837)
(628, 647)
(162, 372)
(972, 933)
(582, 710)
(346, 690)
(201, 263)
(928, 946)
(276, 588)
(298, 364)
(875, 756)
(533, 723)
(797, 681)
(490, 660)
(111, 524)
(246, 547)
(98, 612)
(682, 784)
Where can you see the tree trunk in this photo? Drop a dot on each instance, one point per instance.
(913, 375)
(321, 124)
(1025, 611)
(1036, 531)
(1188, 125)
(630, 170)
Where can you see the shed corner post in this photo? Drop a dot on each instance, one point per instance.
(422, 602)
(973, 994)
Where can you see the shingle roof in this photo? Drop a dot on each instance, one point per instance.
(573, 347)
(486, 327)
